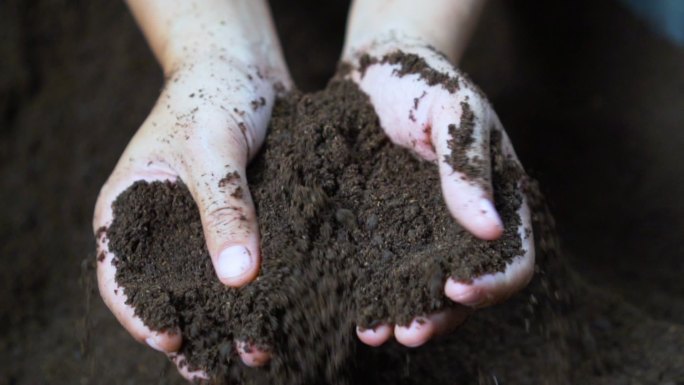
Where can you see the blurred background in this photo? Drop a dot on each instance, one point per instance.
(591, 92)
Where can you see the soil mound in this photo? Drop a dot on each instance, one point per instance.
(354, 230)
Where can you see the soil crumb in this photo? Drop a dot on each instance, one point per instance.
(359, 235)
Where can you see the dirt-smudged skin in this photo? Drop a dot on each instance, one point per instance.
(353, 230)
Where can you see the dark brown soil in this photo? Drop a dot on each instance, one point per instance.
(349, 222)
(599, 126)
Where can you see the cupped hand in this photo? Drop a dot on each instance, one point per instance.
(427, 105)
(208, 122)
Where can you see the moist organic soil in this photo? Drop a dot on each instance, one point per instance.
(354, 230)
(608, 309)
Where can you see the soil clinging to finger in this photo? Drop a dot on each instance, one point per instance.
(413, 64)
(474, 168)
(460, 143)
(354, 231)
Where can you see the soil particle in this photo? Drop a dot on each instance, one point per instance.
(237, 193)
(416, 101)
(102, 230)
(258, 103)
(231, 177)
(354, 231)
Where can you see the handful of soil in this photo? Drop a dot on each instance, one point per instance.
(354, 231)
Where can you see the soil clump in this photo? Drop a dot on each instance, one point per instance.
(354, 231)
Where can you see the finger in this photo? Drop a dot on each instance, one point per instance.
(420, 330)
(493, 288)
(216, 179)
(375, 336)
(252, 355)
(182, 365)
(114, 296)
(460, 134)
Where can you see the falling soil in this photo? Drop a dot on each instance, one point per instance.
(360, 235)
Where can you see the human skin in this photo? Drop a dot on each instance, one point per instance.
(437, 31)
(223, 69)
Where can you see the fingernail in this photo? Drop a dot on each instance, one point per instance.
(152, 342)
(466, 296)
(487, 209)
(234, 262)
(471, 298)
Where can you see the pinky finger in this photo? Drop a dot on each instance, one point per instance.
(251, 355)
(421, 330)
(184, 369)
(375, 336)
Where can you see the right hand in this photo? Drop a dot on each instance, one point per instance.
(427, 119)
(210, 119)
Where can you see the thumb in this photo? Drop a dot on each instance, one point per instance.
(461, 138)
(219, 187)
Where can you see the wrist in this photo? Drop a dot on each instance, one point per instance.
(383, 44)
(217, 61)
(444, 25)
(239, 32)
(218, 85)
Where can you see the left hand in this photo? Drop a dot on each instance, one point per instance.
(417, 115)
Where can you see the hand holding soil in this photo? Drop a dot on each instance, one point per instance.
(429, 107)
(223, 67)
(208, 122)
